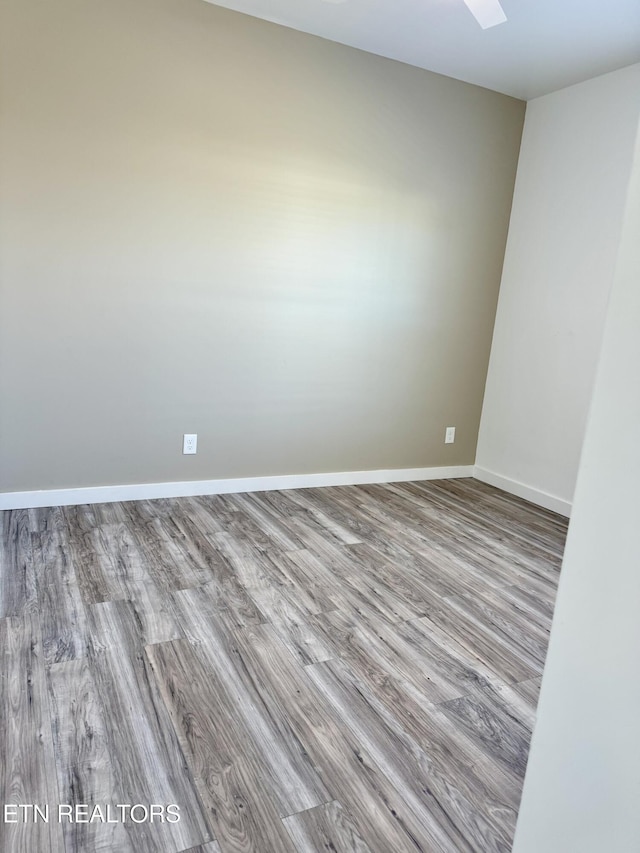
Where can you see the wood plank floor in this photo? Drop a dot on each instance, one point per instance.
(348, 669)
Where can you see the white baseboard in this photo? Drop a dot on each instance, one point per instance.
(529, 493)
(148, 491)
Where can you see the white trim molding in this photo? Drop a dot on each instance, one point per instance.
(521, 490)
(191, 488)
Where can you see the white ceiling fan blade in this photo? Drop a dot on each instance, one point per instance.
(488, 13)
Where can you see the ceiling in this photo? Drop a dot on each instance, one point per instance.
(544, 45)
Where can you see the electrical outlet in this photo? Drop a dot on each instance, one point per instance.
(450, 435)
(189, 444)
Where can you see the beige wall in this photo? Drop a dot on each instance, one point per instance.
(213, 224)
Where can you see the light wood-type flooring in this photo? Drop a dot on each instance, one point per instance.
(339, 669)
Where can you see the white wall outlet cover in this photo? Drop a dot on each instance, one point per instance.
(450, 435)
(189, 444)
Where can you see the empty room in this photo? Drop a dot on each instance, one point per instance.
(319, 419)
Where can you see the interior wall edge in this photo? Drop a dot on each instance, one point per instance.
(193, 488)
